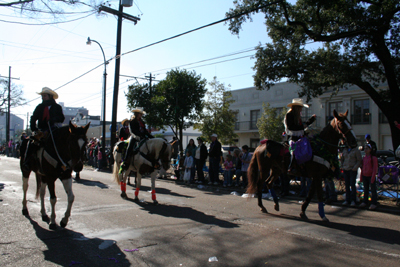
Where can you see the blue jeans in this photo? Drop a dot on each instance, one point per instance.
(366, 183)
(214, 169)
(238, 173)
(228, 177)
(330, 192)
(350, 182)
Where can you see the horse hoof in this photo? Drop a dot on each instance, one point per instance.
(155, 202)
(128, 183)
(136, 199)
(53, 226)
(45, 218)
(303, 216)
(264, 210)
(62, 224)
(25, 212)
(123, 195)
(276, 206)
(325, 219)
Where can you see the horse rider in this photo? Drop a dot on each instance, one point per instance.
(124, 133)
(294, 127)
(138, 130)
(46, 113)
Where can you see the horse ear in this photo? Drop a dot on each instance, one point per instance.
(347, 112)
(87, 127)
(71, 126)
(335, 114)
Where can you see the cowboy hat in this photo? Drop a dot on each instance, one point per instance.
(139, 110)
(297, 102)
(47, 90)
(123, 121)
(214, 135)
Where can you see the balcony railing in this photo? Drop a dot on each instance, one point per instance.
(252, 125)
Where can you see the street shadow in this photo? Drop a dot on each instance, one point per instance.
(384, 235)
(66, 248)
(162, 191)
(183, 213)
(91, 183)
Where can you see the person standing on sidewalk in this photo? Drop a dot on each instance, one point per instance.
(351, 161)
(215, 158)
(201, 156)
(368, 174)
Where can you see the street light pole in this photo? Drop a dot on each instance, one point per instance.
(103, 113)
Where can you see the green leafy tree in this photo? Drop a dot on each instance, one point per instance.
(141, 95)
(270, 124)
(217, 117)
(177, 101)
(359, 44)
(16, 96)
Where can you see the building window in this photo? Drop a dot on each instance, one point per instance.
(361, 113)
(237, 122)
(254, 143)
(338, 106)
(254, 116)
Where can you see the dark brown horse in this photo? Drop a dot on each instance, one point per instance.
(266, 166)
(52, 161)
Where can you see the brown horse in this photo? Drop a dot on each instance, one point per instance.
(63, 151)
(266, 166)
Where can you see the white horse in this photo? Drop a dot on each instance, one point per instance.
(151, 153)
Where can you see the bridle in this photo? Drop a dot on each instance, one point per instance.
(340, 131)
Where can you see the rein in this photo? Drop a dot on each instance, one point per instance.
(64, 167)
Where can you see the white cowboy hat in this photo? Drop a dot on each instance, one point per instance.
(139, 110)
(123, 121)
(47, 90)
(214, 135)
(297, 102)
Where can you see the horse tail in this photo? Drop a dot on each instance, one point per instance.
(252, 174)
(38, 185)
(117, 163)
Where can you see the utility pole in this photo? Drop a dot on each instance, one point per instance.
(120, 15)
(150, 77)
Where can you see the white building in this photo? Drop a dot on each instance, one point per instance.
(249, 104)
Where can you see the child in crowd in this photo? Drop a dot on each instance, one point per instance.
(188, 164)
(368, 173)
(228, 165)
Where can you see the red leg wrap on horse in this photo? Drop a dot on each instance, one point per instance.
(123, 187)
(137, 192)
(153, 194)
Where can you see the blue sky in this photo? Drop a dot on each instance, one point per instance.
(53, 55)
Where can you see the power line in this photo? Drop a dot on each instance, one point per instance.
(48, 23)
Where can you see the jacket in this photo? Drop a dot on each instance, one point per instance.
(215, 150)
(351, 160)
(55, 113)
(203, 152)
(293, 128)
(124, 133)
(139, 130)
(369, 169)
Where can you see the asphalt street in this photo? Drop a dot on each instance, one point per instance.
(191, 226)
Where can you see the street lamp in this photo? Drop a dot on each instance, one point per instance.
(103, 140)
